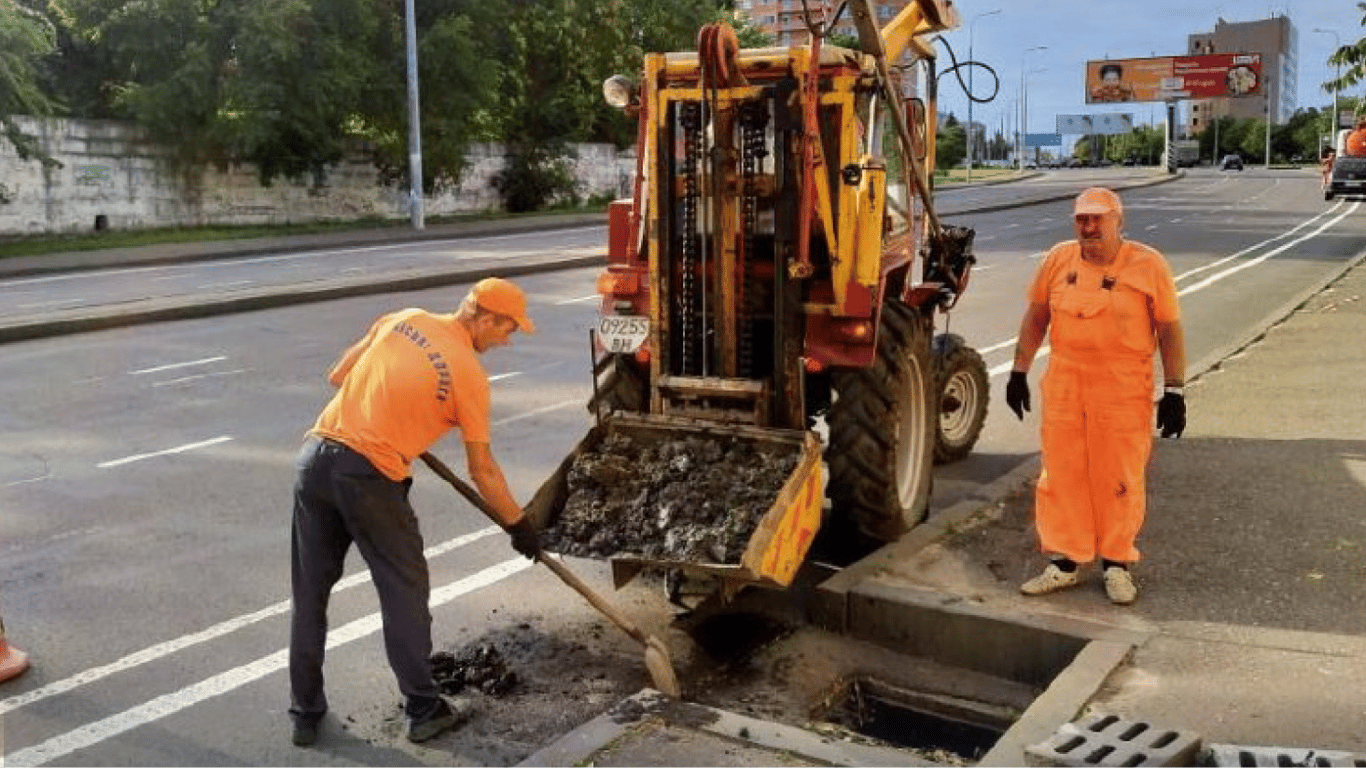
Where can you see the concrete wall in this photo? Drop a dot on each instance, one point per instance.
(108, 169)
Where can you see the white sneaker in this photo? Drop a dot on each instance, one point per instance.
(1119, 585)
(1052, 579)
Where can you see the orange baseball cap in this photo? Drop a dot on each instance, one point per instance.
(1097, 200)
(503, 297)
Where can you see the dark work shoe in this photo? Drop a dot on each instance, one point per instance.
(305, 731)
(440, 717)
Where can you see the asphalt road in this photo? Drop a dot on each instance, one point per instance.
(145, 476)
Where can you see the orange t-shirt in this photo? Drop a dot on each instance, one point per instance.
(1142, 293)
(412, 377)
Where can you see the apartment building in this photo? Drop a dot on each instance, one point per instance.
(1278, 42)
(784, 20)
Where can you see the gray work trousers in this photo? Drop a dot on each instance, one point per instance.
(340, 498)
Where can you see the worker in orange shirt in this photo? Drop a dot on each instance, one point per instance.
(411, 378)
(1106, 304)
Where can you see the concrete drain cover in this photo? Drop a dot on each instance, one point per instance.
(1109, 740)
(1233, 756)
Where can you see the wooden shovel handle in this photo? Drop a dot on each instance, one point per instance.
(566, 575)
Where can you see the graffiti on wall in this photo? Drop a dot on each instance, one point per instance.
(93, 175)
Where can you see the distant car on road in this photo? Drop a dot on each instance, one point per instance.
(1231, 163)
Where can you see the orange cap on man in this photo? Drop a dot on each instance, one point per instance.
(503, 297)
(1097, 200)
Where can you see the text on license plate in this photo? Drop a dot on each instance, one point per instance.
(623, 333)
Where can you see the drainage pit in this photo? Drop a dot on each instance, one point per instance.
(946, 728)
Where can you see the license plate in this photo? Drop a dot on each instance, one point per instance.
(623, 333)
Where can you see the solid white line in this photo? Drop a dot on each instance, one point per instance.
(227, 284)
(172, 366)
(580, 300)
(231, 680)
(1255, 246)
(161, 650)
(500, 376)
(168, 451)
(197, 376)
(537, 412)
(1217, 276)
(49, 304)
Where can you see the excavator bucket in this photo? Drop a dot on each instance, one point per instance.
(781, 534)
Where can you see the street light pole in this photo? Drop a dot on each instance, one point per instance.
(414, 128)
(1332, 124)
(1020, 142)
(972, 139)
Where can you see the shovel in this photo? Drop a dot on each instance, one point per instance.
(657, 659)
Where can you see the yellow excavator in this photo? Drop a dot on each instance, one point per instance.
(780, 265)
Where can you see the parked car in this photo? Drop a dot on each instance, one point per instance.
(1231, 163)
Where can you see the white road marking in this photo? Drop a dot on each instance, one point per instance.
(580, 300)
(173, 366)
(161, 650)
(500, 376)
(167, 452)
(226, 682)
(227, 284)
(197, 376)
(537, 412)
(1217, 276)
(49, 304)
(14, 483)
(1255, 246)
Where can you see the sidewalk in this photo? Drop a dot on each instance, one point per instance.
(1250, 630)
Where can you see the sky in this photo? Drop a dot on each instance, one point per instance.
(1076, 31)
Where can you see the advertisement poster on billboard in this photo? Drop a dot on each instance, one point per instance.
(1164, 78)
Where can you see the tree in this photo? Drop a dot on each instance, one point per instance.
(950, 144)
(1353, 58)
(24, 37)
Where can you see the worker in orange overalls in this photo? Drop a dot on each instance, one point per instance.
(1326, 166)
(414, 376)
(1106, 304)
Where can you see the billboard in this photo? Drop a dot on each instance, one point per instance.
(1100, 123)
(1165, 78)
(1043, 140)
(1074, 124)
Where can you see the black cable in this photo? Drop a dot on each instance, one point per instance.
(996, 87)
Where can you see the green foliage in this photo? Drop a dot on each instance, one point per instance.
(24, 37)
(950, 144)
(1352, 58)
(535, 176)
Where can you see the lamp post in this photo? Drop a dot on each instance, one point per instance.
(1023, 112)
(972, 139)
(1332, 124)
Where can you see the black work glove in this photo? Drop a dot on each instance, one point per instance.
(1017, 393)
(525, 538)
(1171, 414)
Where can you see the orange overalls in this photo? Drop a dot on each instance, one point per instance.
(1098, 398)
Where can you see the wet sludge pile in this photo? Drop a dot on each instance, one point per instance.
(689, 499)
(479, 666)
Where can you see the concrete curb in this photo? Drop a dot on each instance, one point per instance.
(180, 253)
(1055, 198)
(624, 726)
(177, 309)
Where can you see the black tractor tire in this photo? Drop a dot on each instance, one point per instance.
(621, 388)
(964, 390)
(882, 427)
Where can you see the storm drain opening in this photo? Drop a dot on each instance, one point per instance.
(953, 729)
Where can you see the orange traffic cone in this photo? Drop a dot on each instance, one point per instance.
(13, 661)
